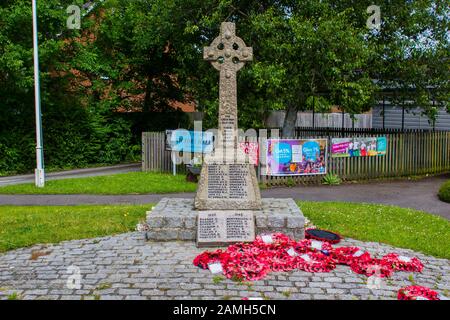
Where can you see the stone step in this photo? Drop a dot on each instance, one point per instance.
(176, 219)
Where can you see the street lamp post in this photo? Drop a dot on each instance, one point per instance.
(39, 171)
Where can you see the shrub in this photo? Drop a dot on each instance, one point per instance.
(444, 192)
(331, 179)
(290, 182)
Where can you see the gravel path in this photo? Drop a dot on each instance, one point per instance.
(420, 194)
(128, 267)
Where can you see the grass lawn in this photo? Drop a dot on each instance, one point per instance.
(400, 227)
(22, 226)
(122, 183)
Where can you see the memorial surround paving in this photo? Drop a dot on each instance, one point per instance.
(127, 266)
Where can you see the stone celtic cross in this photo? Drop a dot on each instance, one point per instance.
(228, 53)
(227, 180)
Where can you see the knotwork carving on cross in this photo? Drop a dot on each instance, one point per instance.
(228, 51)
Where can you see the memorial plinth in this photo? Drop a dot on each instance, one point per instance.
(175, 219)
(219, 227)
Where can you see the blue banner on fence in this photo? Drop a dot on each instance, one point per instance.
(190, 141)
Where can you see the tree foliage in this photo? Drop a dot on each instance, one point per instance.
(411, 50)
(142, 55)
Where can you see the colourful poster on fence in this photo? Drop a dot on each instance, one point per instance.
(296, 157)
(358, 147)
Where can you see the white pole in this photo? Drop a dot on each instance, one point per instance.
(174, 164)
(39, 173)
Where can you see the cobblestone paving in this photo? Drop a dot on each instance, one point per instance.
(127, 267)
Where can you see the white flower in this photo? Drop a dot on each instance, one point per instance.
(142, 226)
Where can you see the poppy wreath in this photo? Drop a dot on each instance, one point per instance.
(279, 240)
(244, 248)
(412, 292)
(264, 253)
(203, 259)
(346, 255)
(253, 261)
(398, 264)
(305, 246)
(282, 261)
(372, 267)
(317, 262)
(244, 267)
(311, 236)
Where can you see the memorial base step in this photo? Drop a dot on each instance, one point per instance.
(175, 219)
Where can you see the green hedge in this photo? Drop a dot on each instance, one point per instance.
(73, 137)
(76, 136)
(444, 192)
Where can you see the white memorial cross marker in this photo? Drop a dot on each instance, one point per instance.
(215, 267)
(358, 253)
(292, 252)
(316, 244)
(267, 238)
(306, 257)
(404, 259)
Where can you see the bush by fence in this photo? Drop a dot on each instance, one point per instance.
(407, 153)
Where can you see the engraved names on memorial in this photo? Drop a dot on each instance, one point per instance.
(227, 182)
(208, 226)
(238, 181)
(228, 126)
(238, 227)
(218, 183)
(222, 227)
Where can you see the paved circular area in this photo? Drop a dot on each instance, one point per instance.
(128, 267)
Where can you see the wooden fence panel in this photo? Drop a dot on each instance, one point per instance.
(409, 153)
(155, 157)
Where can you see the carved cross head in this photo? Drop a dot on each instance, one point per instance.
(228, 51)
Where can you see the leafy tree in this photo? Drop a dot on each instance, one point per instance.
(411, 50)
(308, 49)
(144, 54)
(76, 133)
(311, 54)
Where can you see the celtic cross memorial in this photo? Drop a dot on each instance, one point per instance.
(227, 180)
(227, 207)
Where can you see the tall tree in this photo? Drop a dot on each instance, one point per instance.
(144, 54)
(308, 49)
(411, 47)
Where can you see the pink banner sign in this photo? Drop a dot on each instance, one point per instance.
(340, 147)
(252, 149)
